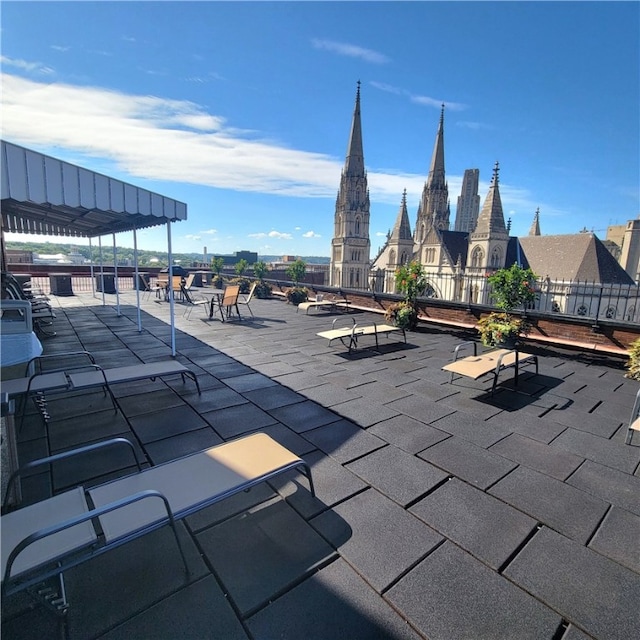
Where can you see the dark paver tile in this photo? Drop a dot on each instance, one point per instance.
(289, 439)
(357, 612)
(408, 434)
(65, 406)
(300, 380)
(560, 506)
(463, 459)
(618, 538)
(304, 416)
(333, 483)
(329, 395)
(192, 612)
(214, 399)
(397, 474)
(109, 589)
(538, 456)
(379, 553)
(593, 592)
(164, 424)
(612, 454)
(421, 409)
(139, 387)
(274, 369)
(344, 440)
(475, 403)
(472, 428)
(365, 411)
(479, 523)
(573, 633)
(147, 402)
(249, 382)
(599, 424)
(82, 429)
(233, 421)
(530, 426)
(273, 397)
(618, 488)
(182, 445)
(452, 595)
(262, 552)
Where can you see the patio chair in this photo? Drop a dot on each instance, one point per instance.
(150, 288)
(192, 301)
(188, 283)
(43, 540)
(246, 299)
(230, 300)
(634, 422)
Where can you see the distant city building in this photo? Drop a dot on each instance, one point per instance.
(623, 241)
(468, 206)
(250, 256)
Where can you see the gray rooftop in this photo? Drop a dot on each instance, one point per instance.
(442, 512)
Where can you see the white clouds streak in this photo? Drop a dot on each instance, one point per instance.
(30, 67)
(350, 50)
(422, 100)
(272, 234)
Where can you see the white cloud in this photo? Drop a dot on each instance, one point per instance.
(58, 47)
(24, 65)
(351, 50)
(422, 100)
(474, 126)
(176, 140)
(381, 234)
(210, 232)
(272, 234)
(192, 237)
(311, 234)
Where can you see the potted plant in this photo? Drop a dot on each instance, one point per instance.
(216, 266)
(410, 280)
(263, 289)
(510, 288)
(296, 272)
(634, 361)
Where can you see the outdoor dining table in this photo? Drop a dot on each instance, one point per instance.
(217, 296)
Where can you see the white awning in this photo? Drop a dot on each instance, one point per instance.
(47, 196)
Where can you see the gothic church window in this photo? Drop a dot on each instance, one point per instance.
(477, 257)
(357, 229)
(496, 258)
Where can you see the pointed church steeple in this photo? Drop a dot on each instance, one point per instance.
(351, 245)
(436, 177)
(535, 225)
(433, 210)
(354, 164)
(491, 218)
(402, 227)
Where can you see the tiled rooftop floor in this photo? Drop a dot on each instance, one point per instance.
(441, 512)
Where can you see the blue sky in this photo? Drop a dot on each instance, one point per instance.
(242, 110)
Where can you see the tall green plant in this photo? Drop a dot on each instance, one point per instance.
(241, 266)
(411, 280)
(296, 271)
(512, 287)
(216, 266)
(634, 361)
(260, 269)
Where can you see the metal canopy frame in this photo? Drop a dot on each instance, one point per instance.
(43, 195)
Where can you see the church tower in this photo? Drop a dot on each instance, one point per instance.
(535, 225)
(433, 210)
(488, 241)
(351, 246)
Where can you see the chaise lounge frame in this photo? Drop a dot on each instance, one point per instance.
(45, 539)
(349, 336)
(494, 362)
(634, 421)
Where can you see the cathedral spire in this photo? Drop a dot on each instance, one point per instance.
(491, 218)
(402, 227)
(535, 225)
(436, 177)
(354, 164)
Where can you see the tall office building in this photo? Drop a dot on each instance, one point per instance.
(468, 202)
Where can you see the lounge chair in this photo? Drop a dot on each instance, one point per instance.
(634, 422)
(192, 301)
(246, 299)
(349, 336)
(321, 302)
(494, 362)
(45, 539)
(86, 375)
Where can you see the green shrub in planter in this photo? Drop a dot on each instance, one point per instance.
(634, 361)
(296, 295)
(244, 283)
(263, 290)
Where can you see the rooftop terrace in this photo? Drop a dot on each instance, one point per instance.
(442, 512)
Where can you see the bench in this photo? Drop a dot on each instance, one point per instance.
(349, 336)
(496, 361)
(43, 540)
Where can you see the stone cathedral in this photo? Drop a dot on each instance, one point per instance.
(481, 242)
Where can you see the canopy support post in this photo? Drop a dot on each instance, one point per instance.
(115, 275)
(171, 296)
(101, 269)
(137, 279)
